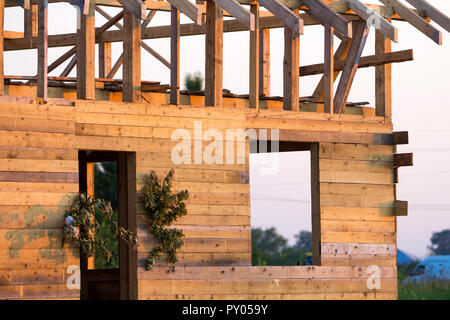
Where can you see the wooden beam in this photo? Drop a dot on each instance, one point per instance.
(189, 9)
(115, 68)
(328, 69)
(367, 61)
(136, 7)
(361, 30)
(264, 61)
(400, 208)
(175, 56)
(415, 20)
(2, 24)
(254, 60)
(371, 17)
(433, 13)
(69, 67)
(131, 57)
(104, 59)
(237, 11)
(214, 55)
(42, 72)
(291, 94)
(340, 55)
(86, 55)
(400, 137)
(26, 4)
(383, 78)
(30, 22)
(403, 160)
(286, 15)
(327, 16)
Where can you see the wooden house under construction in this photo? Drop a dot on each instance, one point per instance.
(53, 128)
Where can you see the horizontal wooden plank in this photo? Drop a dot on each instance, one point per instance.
(356, 214)
(39, 187)
(38, 276)
(358, 237)
(275, 296)
(373, 190)
(17, 239)
(31, 217)
(356, 152)
(202, 259)
(37, 125)
(355, 165)
(210, 210)
(205, 232)
(154, 287)
(37, 111)
(260, 272)
(38, 258)
(40, 177)
(358, 260)
(38, 165)
(206, 220)
(357, 226)
(36, 139)
(205, 246)
(35, 198)
(351, 249)
(356, 177)
(367, 201)
(38, 153)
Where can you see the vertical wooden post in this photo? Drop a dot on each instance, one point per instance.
(90, 191)
(104, 59)
(328, 72)
(174, 55)
(86, 55)
(2, 24)
(30, 22)
(254, 60)
(291, 69)
(131, 57)
(315, 205)
(213, 55)
(383, 86)
(264, 62)
(42, 80)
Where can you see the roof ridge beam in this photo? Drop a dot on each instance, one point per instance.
(286, 15)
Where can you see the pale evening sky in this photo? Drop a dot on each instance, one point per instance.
(421, 105)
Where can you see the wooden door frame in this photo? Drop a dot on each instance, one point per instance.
(126, 175)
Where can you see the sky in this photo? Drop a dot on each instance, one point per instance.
(421, 105)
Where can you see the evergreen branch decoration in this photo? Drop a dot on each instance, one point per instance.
(163, 207)
(81, 227)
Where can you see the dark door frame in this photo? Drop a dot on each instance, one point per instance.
(126, 175)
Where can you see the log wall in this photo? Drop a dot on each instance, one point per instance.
(39, 167)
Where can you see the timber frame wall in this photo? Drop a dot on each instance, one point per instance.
(354, 160)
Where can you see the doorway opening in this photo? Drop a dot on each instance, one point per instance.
(112, 177)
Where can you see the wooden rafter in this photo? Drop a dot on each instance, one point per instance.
(361, 30)
(72, 63)
(189, 9)
(415, 20)
(286, 15)
(328, 16)
(372, 17)
(237, 11)
(431, 12)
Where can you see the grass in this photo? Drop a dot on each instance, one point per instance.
(433, 290)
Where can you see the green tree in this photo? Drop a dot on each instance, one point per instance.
(105, 187)
(272, 249)
(193, 82)
(440, 243)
